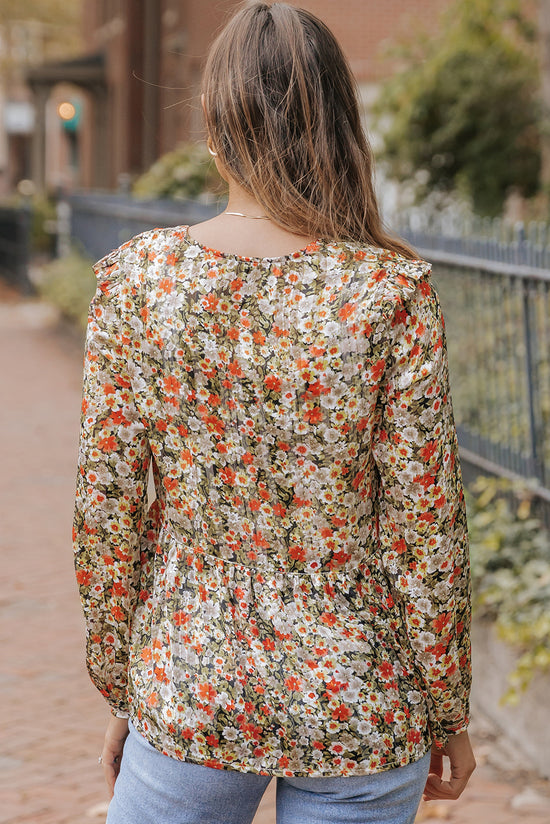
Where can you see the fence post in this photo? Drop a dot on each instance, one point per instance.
(63, 228)
(533, 392)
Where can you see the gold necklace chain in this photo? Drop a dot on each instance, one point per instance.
(250, 217)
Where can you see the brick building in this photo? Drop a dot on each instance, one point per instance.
(26, 42)
(140, 78)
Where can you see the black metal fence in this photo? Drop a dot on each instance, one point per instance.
(15, 246)
(496, 300)
(101, 222)
(491, 239)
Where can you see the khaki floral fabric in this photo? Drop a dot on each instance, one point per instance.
(296, 599)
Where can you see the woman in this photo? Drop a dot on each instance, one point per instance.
(295, 603)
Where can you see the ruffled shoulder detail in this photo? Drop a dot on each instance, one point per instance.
(108, 266)
(112, 269)
(403, 277)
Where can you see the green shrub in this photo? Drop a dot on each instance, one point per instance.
(510, 552)
(186, 172)
(464, 110)
(43, 218)
(69, 284)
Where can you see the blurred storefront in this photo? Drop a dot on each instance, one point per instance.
(82, 85)
(26, 43)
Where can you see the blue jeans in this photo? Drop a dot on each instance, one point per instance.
(154, 789)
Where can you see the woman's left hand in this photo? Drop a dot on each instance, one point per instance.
(462, 764)
(111, 755)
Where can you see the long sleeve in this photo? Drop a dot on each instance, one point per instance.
(111, 484)
(422, 518)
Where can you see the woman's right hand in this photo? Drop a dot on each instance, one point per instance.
(113, 745)
(462, 764)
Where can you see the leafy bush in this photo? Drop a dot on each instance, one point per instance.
(43, 217)
(463, 115)
(69, 284)
(510, 553)
(186, 172)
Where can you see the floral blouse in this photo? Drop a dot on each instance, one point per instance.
(295, 601)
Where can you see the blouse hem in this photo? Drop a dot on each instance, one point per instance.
(281, 773)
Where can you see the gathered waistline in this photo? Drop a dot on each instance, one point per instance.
(197, 553)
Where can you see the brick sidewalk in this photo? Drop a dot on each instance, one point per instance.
(52, 719)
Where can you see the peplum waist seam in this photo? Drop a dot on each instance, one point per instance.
(197, 553)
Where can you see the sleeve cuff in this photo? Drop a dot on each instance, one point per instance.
(441, 739)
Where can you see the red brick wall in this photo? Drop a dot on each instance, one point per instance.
(365, 27)
(188, 27)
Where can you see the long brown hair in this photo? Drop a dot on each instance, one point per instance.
(282, 112)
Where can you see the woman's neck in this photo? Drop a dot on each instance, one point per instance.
(234, 234)
(241, 201)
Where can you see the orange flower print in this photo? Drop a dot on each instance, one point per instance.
(171, 385)
(166, 285)
(341, 713)
(108, 443)
(153, 700)
(386, 670)
(207, 692)
(346, 311)
(84, 577)
(313, 415)
(228, 475)
(210, 303)
(273, 383)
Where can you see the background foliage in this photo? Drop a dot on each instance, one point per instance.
(186, 172)
(464, 110)
(510, 554)
(69, 284)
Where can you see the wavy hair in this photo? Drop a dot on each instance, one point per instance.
(282, 113)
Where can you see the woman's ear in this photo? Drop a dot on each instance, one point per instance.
(219, 165)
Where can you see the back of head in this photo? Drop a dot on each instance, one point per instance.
(282, 111)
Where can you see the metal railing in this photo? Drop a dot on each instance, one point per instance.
(491, 239)
(101, 222)
(15, 245)
(495, 294)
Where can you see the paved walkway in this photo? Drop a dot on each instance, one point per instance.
(51, 718)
